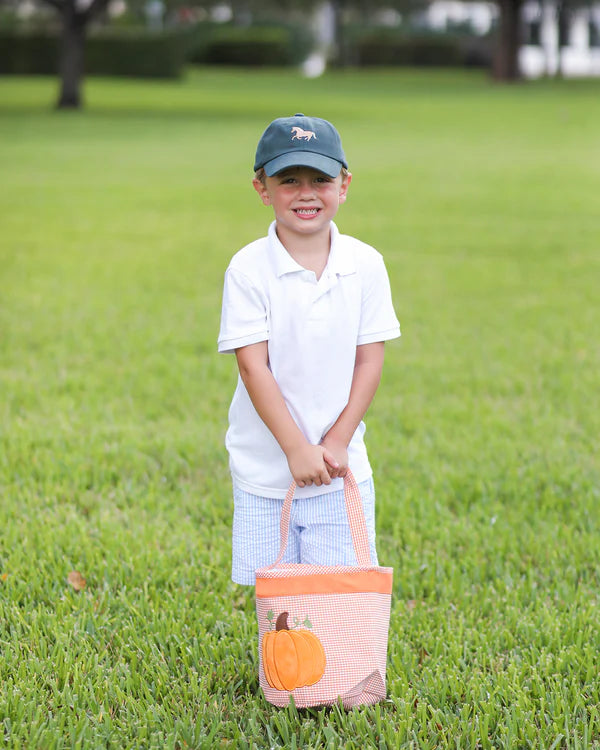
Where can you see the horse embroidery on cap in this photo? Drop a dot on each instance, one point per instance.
(304, 135)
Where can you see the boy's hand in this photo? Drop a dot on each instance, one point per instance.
(338, 450)
(311, 464)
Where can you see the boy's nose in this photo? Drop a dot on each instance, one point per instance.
(307, 188)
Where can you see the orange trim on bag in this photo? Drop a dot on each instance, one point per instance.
(328, 583)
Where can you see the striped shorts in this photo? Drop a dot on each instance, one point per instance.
(319, 531)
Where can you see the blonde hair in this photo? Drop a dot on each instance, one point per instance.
(261, 175)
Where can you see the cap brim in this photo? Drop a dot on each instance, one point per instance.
(327, 165)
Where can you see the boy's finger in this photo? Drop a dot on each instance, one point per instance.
(326, 478)
(329, 459)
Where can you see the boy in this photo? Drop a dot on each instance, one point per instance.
(306, 311)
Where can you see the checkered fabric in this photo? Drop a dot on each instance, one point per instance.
(323, 630)
(319, 533)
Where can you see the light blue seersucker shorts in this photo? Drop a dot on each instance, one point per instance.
(319, 531)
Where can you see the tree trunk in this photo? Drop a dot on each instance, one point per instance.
(561, 25)
(341, 47)
(71, 57)
(506, 62)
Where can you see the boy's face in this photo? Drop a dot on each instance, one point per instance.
(304, 200)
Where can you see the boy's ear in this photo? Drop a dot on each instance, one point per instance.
(261, 189)
(344, 187)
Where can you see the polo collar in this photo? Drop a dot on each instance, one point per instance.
(339, 263)
(341, 260)
(284, 263)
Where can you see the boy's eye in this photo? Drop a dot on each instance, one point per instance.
(292, 180)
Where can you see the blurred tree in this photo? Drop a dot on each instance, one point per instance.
(506, 59)
(75, 17)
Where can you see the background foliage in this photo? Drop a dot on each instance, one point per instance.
(117, 227)
(136, 51)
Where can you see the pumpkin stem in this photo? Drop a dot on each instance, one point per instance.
(281, 623)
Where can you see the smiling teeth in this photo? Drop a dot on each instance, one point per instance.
(306, 211)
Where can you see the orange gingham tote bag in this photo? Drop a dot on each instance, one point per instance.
(323, 630)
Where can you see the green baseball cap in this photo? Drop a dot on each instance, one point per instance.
(300, 141)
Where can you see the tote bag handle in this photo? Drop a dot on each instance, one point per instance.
(356, 520)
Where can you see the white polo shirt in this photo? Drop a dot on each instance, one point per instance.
(312, 328)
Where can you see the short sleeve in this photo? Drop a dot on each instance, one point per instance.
(378, 321)
(244, 315)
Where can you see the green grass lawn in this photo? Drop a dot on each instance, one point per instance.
(116, 227)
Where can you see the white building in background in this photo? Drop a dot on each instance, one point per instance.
(446, 14)
(571, 48)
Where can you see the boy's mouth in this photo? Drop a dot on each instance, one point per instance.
(306, 212)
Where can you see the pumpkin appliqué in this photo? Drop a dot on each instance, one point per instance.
(291, 658)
